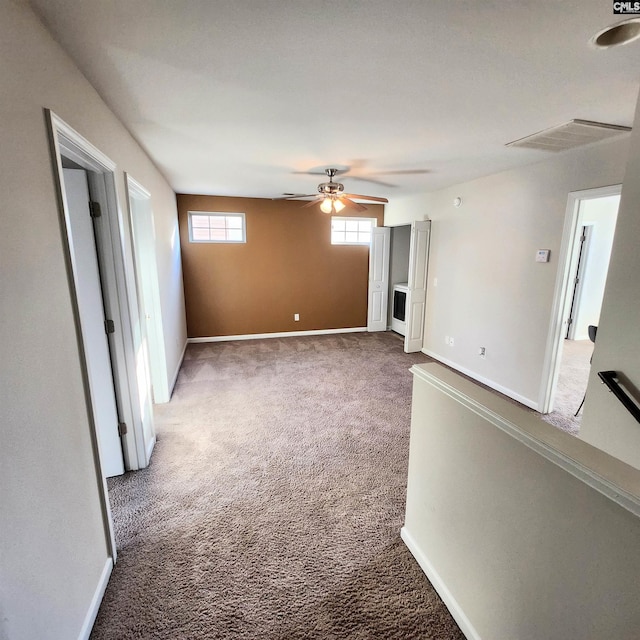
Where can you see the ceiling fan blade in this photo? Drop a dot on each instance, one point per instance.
(351, 204)
(359, 197)
(296, 195)
(371, 180)
(401, 172)
(310, 204)
(322, 171)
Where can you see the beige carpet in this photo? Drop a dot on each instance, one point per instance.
(273, 504)
(572, 383)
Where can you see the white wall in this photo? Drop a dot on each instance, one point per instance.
(52, 540)
(600, 214)
(490, 291)
(519, 547)
(401, 211)
(606, 423)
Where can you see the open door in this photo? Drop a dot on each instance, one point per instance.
(417, 295)
(378, 279)
(93, 322)
(148, 288)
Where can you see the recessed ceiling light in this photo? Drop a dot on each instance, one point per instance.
(617, 34)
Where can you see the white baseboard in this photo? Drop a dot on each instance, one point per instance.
(281, 334)
(527, 402)
(98, 594)
(177, 371)
(438, 584)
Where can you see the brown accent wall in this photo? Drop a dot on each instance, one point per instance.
(288, 265)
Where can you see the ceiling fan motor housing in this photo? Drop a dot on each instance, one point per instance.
(330, 188)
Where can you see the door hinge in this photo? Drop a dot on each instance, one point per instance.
(94, 209)
(109, 326)
(569, 322)
(122, 428)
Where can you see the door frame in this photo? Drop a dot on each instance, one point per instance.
(584, 238)
(561, 299)
(64, 142)
(119, 295)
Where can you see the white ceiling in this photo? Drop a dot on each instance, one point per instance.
(232, 97)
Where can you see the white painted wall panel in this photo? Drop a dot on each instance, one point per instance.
(518, 547)
(52, 542)
(490, 290)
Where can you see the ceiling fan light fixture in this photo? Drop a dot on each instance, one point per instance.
(331, 204)
(327, 205)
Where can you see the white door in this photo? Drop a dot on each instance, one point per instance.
(417, 296)
(92, 322)
(148, 345)
(146, 268)
(378, 279)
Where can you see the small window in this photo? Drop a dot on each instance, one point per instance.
(351, 230)
(216, 227)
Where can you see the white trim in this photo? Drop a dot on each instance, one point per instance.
(98, 594)
(136, 190)
(282, 334)
(559, 310)
(84, 152)
(438, 584)
(372, 221)
(62, 137)
(614, 492)
(527, 402)
(150, 445)
(177, 371)
(146, 270)
(218, 214)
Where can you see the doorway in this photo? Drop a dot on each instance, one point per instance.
(103, 241)
(404, 282)
(584, 260)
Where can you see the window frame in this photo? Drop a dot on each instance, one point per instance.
(373, 222)
(218, 214)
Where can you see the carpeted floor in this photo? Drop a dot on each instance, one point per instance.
(572, 383)
(274, 500)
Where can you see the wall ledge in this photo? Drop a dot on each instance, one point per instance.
(609, 476)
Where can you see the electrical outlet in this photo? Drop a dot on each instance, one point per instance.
(446, 340)
(482, 352)
(296, 317)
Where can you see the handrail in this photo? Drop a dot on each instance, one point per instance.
(610, 379)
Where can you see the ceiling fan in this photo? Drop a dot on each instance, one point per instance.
(357, 170)
(332, 197)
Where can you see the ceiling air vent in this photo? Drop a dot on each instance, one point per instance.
(574, 133)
